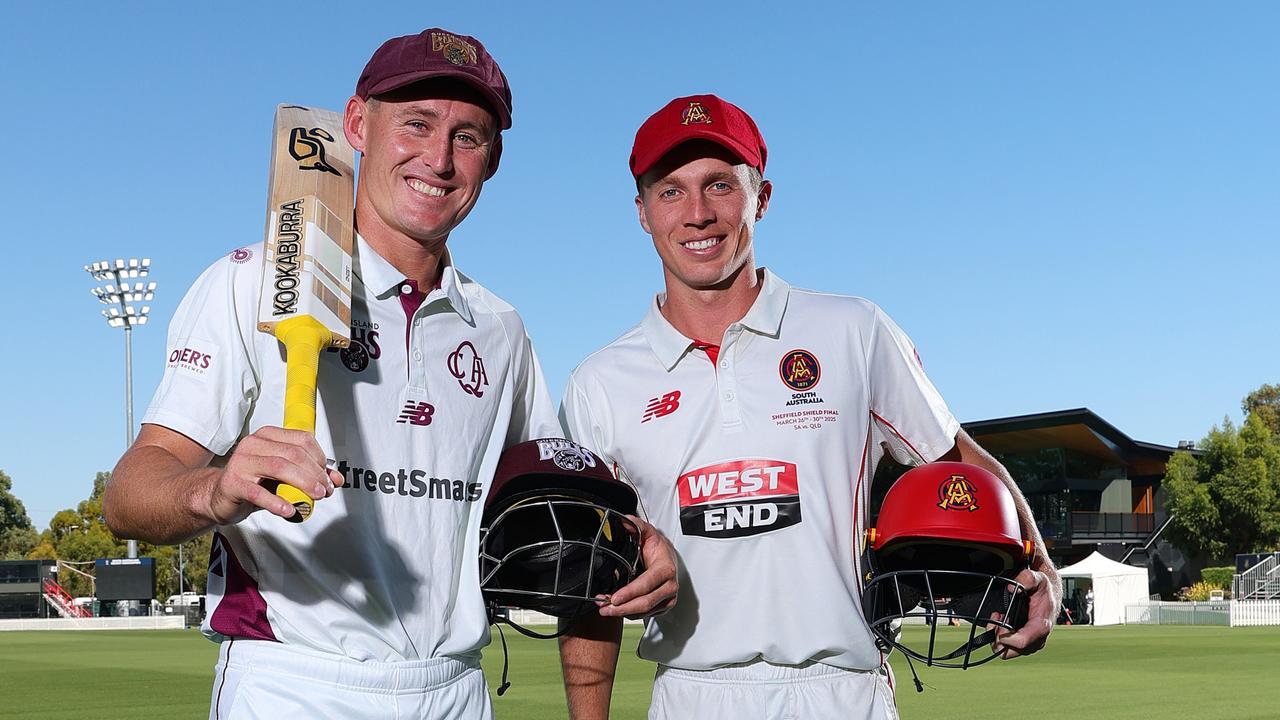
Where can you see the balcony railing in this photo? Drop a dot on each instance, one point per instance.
(1112, 525)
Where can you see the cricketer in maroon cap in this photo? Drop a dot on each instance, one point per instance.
(733, 376)
(427, 118)
(427, 115)
(373, 607)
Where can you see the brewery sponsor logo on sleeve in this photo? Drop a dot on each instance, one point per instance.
(192, 356)
(739, 498)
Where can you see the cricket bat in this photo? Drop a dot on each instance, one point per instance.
(306, 273)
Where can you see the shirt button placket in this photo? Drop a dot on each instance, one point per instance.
(730, 403)
(417, 369)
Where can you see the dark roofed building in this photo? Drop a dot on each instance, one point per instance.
(1090, 487)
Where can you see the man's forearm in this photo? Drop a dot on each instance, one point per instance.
(150, 497)
(589, 658)
(972, 453)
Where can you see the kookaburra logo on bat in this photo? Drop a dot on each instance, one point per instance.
(307, 146)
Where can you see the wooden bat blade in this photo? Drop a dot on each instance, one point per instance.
(309, 235)
(306, 277)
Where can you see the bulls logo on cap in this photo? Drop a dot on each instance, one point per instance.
(453, 48)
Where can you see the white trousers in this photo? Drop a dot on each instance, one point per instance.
(261, 680)
(762, 691)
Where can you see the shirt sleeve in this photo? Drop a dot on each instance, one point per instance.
(209, 384)
(585, 427)
(908, 414)
(532, 414)
(576, 419)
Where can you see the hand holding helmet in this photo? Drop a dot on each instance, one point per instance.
(947, 545)
(555, 532)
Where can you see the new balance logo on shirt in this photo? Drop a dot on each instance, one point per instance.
(417, 413)
(661, 406)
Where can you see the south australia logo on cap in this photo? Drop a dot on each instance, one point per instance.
(695, 114)
(455, 49)
(956, 493)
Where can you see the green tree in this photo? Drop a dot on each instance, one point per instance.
(1227, 501)
(1265, 403)
(82, 536)
(17, 535)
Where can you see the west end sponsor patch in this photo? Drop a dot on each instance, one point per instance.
(192, 356)
(739, 498)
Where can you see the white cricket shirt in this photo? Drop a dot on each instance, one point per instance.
(414, 415)
(758, 467)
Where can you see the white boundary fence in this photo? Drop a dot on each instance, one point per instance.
(152, 622)
(1235, 613)
(1178, 613)
(1255, 612)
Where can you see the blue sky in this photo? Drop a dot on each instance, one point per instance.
(1065, 204)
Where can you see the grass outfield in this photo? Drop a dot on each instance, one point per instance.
(1098, 673)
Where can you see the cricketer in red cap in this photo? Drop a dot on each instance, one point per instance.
(698, 164)
(705, 117)
(714, 388)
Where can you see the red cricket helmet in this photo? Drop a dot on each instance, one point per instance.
(946, 545)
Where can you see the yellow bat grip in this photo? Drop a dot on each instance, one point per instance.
(303, 337)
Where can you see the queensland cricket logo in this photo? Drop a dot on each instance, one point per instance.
(695, 114)
(956, 493)
(307, 147)
(466, 365)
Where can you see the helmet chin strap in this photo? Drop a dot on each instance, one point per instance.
(499, 616)
(976, 643)
(914, 677)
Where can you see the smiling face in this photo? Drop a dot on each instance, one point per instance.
(425, 155)
(700, 204)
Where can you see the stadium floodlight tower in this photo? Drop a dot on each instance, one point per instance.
(119, 292)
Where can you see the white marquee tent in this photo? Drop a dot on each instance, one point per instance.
(1114, 586)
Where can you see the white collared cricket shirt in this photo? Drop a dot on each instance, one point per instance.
(756, 460)
(414, 414)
